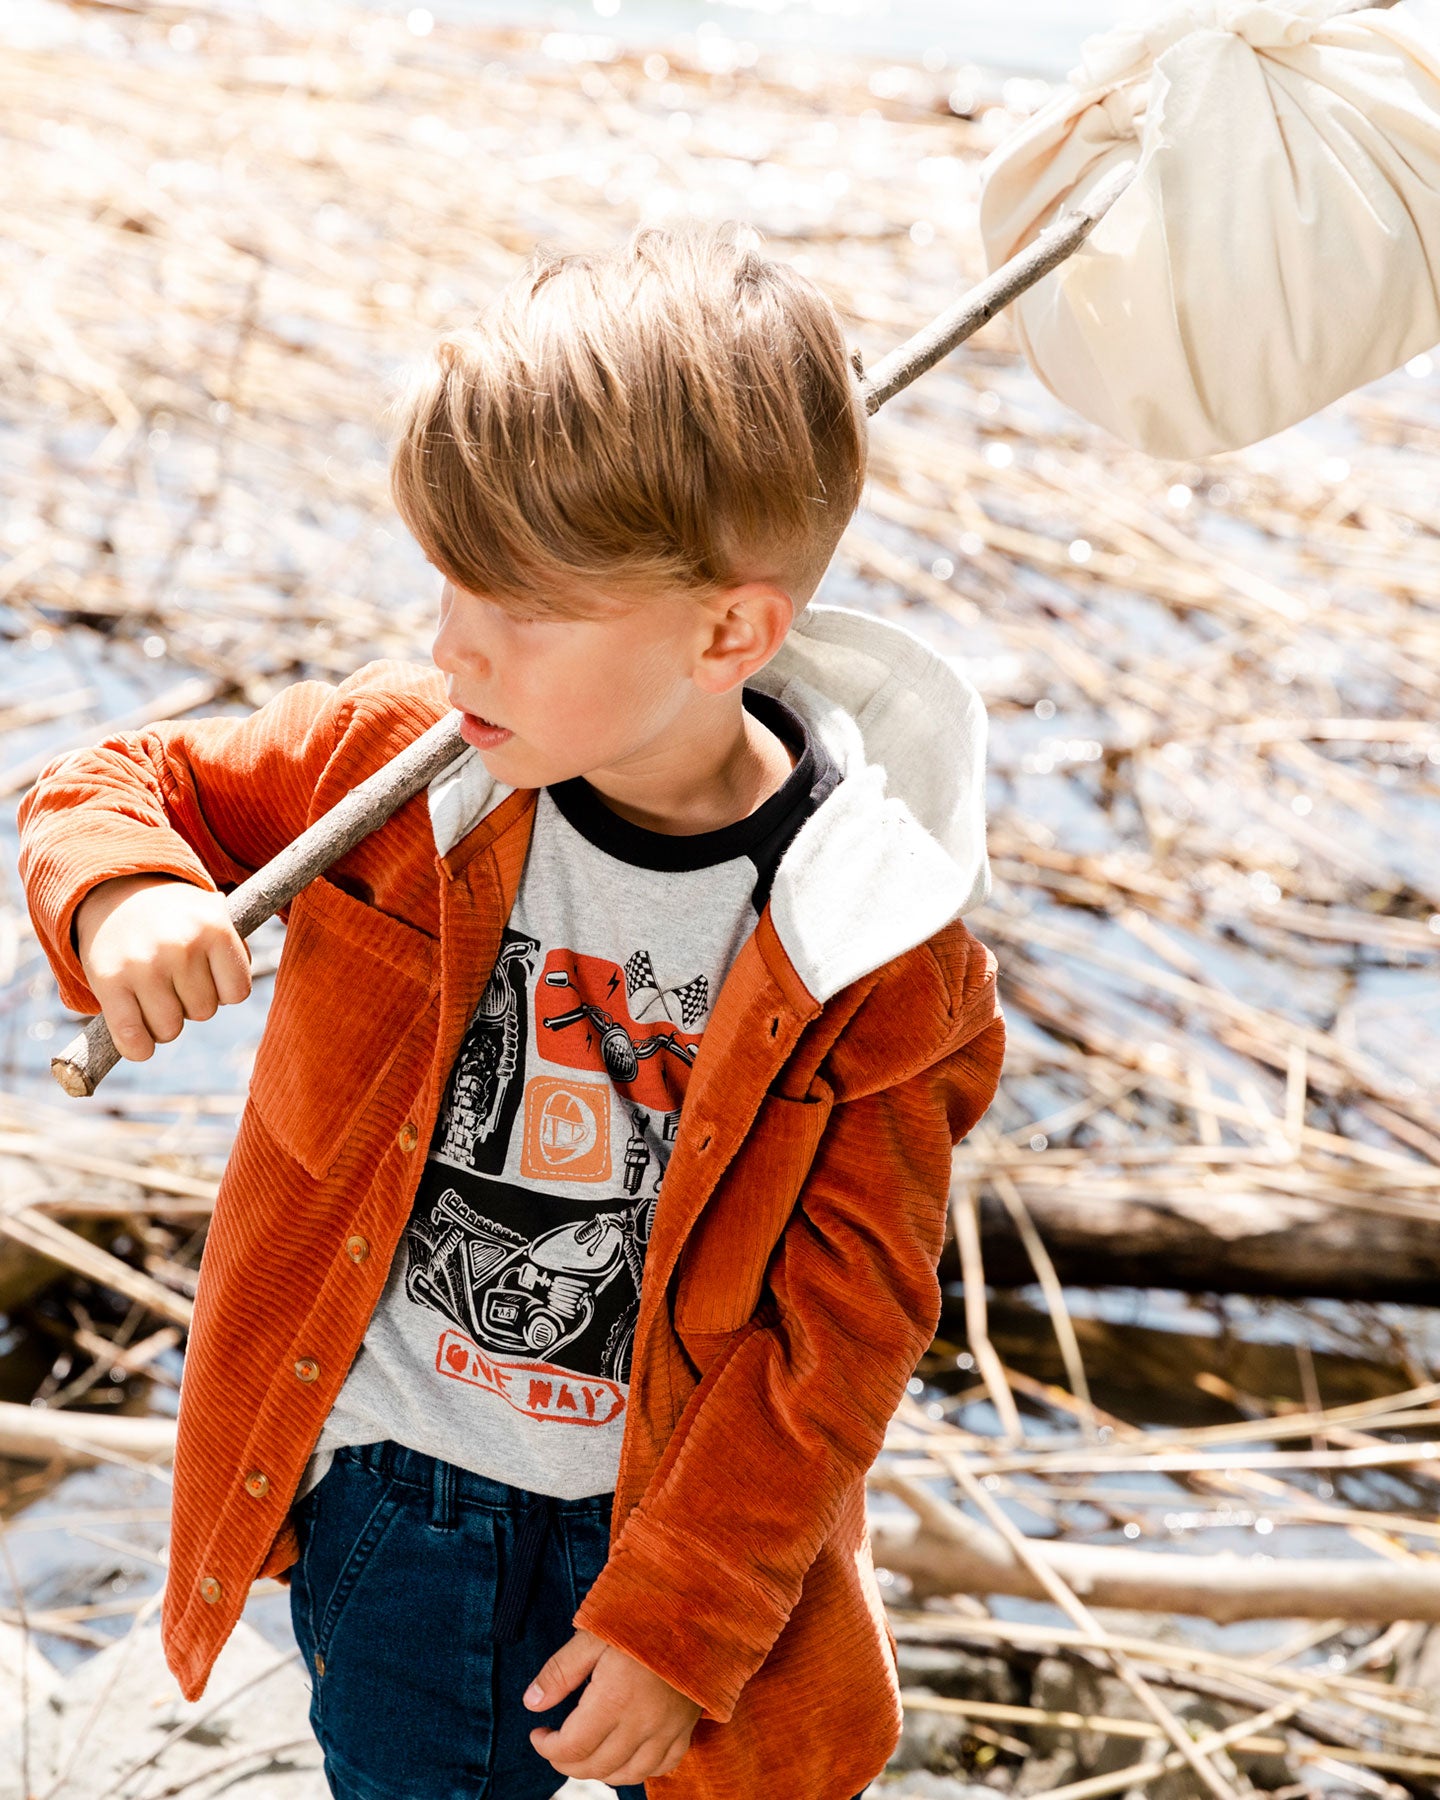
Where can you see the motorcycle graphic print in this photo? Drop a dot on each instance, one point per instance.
(483, 1095)
(528, 1231)
(587, 1016)
(555, 1302)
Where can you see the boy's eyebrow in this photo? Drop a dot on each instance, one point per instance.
(564, 605)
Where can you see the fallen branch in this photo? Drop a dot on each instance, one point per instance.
(51, 1154)
(1176, 1661)
(949, 1553)
(33, 1434)
(1174, 1462)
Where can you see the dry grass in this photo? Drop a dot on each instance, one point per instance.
(1213, 690)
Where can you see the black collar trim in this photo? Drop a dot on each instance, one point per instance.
(583, 808)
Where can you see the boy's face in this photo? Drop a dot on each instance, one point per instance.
(576, 695)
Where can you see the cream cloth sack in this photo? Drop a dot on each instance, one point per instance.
(1280, 244)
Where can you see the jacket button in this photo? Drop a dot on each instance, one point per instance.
(209, 1589)
(307, 1369)
(257, 1484)
(408, 1136)
(357, 1248)
(319, 1664)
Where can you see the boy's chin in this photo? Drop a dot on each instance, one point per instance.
(515, 766)
(499, 765)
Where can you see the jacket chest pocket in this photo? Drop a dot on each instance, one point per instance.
(722, 1267)
(352, 983)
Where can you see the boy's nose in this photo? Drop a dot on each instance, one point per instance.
(457, 659)
(457, 649)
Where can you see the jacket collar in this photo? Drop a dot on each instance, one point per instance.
(897, 850)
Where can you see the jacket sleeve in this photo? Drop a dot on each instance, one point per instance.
(207, 800)
(708, 1567)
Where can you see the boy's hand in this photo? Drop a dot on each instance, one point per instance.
(157, 951)
(628, 1724)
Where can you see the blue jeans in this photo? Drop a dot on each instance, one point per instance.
(425, 1601)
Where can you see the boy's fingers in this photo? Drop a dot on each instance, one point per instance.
(127, 1027)
(565, 1670)
(626, 1766)
(195, 991)
(582, 1749)
(580, 1735)
(161, 1010)
(230, 968)
(670, 1757)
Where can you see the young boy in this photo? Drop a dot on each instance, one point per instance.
(581, 1228)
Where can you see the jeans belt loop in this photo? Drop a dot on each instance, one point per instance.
(443, 1511)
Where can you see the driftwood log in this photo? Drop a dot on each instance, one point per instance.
(35, 1434)
(946, 1552)
(1203, 1242)
(1169, 1374)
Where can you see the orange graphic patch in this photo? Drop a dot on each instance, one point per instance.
(567, 1130)
(583, 1020)
(537, 1389)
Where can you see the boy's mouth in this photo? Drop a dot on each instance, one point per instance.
(482, 733)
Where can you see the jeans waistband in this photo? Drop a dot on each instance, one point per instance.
(414, 1468)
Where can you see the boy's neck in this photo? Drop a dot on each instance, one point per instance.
(708, 771)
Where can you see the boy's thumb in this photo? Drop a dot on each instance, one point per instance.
(565, 1670)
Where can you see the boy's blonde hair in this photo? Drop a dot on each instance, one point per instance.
(677, 414)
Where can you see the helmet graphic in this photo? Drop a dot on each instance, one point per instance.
(568, 1127)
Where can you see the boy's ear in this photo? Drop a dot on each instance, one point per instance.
(745, 626)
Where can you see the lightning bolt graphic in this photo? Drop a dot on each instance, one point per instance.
(614, 983)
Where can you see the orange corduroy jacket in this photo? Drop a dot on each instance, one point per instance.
(789, 1286)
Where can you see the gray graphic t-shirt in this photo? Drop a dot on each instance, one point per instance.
(502, 1340)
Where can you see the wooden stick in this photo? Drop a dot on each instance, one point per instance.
(52, 1154)
(89, 1058)
(186, 1726)
(195, 690)
(963, 1212)
(1138, 1774)
(85, 1062)
(980, 305)
(1044, 1267)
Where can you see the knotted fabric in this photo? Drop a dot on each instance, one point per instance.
(1280, 244)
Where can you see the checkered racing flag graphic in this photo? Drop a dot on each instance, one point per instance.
(640, 975)
(694, 1000)
(643, 986)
